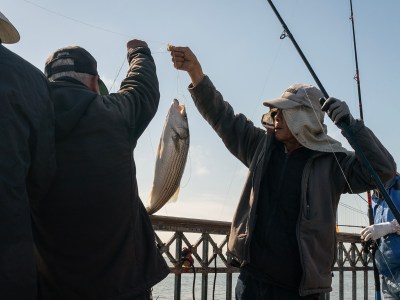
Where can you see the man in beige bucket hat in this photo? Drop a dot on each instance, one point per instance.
(283, 232)
(27, 163)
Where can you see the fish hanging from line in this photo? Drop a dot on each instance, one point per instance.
(171, 158)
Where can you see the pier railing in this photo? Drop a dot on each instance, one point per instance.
(195, 246)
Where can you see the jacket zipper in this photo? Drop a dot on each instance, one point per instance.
(304, 179)
(252, 211)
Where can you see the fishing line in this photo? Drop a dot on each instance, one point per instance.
(285, 34)
(386, 263)
(215, 275)
(105, 30)
(190, 171)
(369, 203)
(343, 125)
(353, 195)
(194, 281)
(179, 93)
(75, 20)
(84, 23)
(354, 210)
(330, 145)
(266, 81)
(238, 163)
(116, 76)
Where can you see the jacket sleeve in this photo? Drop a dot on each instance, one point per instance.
(378, 156)
(139, 96)
(238, 133)
(42, 147)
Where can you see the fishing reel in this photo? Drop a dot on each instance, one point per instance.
(186, 258)
(369, 246)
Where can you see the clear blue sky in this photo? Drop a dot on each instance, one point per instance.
(238, 44)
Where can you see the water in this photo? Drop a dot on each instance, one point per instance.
(165, 289)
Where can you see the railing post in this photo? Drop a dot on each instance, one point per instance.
(365, 264)
(353, 272)
(341, 277)
(228, 279)
(204, 276)
(324, 296)
(365, 285)
(178, 278)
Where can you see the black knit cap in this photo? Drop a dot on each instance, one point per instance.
(84, 62)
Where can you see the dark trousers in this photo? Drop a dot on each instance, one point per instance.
(250, 288)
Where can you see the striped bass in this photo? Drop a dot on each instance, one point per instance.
(171, 158)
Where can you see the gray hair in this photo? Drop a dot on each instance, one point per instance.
(82, 77)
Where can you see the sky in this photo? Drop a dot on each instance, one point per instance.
(237, 43)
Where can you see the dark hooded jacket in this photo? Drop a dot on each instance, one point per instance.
(94, 237)
(322, 184)
(27, 164)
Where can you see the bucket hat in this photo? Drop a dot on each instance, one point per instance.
(303, 115)
(8, 33)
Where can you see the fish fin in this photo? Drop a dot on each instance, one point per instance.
(174, 196)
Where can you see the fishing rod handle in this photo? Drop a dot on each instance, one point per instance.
(343, 122)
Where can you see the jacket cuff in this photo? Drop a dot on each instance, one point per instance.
(138, 50)
(204, 84)
(355, 127)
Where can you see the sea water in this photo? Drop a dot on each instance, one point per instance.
(165, 289)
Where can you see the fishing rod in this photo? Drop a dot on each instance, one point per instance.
(357, 76)
(343, 124)
(370, 244)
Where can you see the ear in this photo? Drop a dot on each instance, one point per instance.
(94, 85)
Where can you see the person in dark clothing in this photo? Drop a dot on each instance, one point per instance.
(283, 232)
(27, 163)
(94, 237)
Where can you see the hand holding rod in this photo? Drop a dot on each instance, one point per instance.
(342, 124)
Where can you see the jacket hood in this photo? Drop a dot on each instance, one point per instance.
(71, 99)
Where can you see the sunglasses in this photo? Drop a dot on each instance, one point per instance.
(267, 120)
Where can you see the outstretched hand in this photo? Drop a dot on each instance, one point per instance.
(184, 59)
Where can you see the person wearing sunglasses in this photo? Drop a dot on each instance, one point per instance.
(283, 232)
